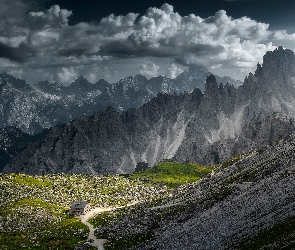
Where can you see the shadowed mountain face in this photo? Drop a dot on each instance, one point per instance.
(200, 127)
(13, 141)
(46, 104)
(248, 205)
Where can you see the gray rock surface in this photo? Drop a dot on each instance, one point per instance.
(231, 206)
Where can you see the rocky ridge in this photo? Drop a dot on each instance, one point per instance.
(33, 108)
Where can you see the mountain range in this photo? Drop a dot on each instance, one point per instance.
(206, 126)
(34, 108)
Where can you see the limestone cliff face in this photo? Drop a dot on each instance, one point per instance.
(204, 127)
(112, 142)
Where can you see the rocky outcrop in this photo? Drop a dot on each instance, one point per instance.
(109, 141)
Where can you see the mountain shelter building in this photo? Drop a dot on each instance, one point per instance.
(80, 207)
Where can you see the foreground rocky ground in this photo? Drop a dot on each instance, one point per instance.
(248, 202)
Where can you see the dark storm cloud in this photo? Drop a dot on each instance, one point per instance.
(72, 52)
(204, 49)
(128, 49)
(199, 51)
(19, 54)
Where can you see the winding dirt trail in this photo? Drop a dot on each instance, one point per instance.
(84, 219)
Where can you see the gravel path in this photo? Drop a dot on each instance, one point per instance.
(84, 218)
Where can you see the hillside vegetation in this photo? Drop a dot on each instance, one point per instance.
(173, 174)
(34, 209)
(251, 196)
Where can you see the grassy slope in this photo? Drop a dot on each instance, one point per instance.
(34, 209)
(173, 174)
(31, 223)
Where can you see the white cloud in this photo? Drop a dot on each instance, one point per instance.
(44, 40)
(173, 71)
(66, 75)
(148, 69)
(53, 17)
(281, 35)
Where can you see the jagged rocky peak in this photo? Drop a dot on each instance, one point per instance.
(227, 90)
(81, 83)
(140, 78)
(214, 85)
(102, 85)
(205, 128)
(136, 82)
(250, 80)
(211, 86)
(197, 94)
(49, 87)
(196, 78)
(102, 82)
(275, 74)
(189, 79)
(16, 83)
(258, 71)
(198, 72)
(279, 61)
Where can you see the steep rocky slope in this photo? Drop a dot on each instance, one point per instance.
(46, 104)
(200, 127)
(107, 141)
(235, 207)
(247, 202)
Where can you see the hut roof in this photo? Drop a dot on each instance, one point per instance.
(79, 204)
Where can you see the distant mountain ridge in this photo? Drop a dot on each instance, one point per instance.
(33, 108)
(199, 127)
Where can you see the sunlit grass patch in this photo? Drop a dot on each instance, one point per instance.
(173, 174)
(28, 180)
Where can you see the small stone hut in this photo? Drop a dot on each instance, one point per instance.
(80, 207)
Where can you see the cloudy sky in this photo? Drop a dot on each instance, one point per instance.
(58, 40)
